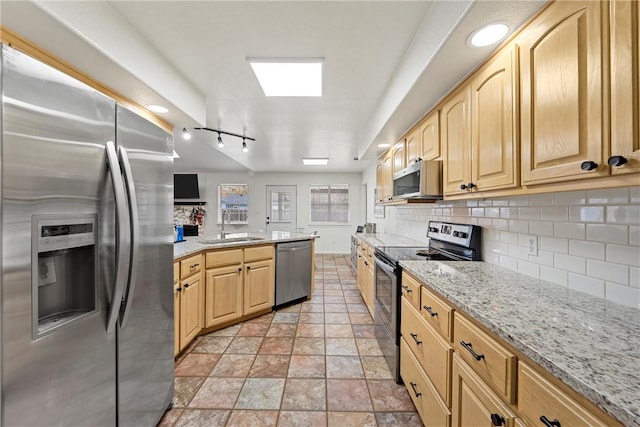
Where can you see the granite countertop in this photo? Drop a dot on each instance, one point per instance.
(194, 245)
(590, 344)
(389, 240)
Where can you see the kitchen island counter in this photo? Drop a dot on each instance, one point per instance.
(193, 245)
(590, 344)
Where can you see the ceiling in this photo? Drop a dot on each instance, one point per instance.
(385, 64)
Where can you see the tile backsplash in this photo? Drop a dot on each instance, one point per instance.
(587, 240)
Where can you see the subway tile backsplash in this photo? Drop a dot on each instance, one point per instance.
(587, 240)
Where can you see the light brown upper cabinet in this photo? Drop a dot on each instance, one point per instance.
(399, 151)
(379, 180)
(494, 142)
(413, 146)
(561, 66)
(455, 128)
(430, 135)
(625, 89)
(387, 176)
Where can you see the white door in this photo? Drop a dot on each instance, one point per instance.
(281, 208)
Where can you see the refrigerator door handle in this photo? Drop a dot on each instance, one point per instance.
(122, 239)
(135, 234)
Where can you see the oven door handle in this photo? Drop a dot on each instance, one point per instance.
(385, 267)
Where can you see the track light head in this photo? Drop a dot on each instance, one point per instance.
(185, 134)
(220, 143)
(245, 149)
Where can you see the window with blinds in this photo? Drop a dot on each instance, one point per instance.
(330, 203)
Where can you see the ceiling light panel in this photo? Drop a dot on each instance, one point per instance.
(157, 109)
(315, 162)
(289, 78)
(489, 34)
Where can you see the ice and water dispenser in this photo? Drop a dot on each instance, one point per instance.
(64, 267)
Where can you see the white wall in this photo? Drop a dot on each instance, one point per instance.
(333, 238)
(587, 240)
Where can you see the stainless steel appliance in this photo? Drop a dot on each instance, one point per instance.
(447, 242)
(293, 271)
(87, 306)
(420, 180)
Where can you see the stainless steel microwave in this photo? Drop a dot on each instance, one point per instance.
(420, 180)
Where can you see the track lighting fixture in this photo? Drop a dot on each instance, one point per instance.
(220, 144)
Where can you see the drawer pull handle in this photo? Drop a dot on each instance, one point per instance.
(497, 420)
(546, 422)
(406, 288)
(193, 266)
(467, 345)
(415, 338)
(415, 391)
(429, 311)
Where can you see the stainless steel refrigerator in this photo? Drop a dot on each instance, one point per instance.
(87, 251)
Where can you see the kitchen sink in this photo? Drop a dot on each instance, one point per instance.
(230, 240)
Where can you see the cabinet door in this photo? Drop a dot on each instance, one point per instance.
(562, 106)
(495, 160)
(413, 146)
(456, 142)
(177, 290)
(223, 295)
(190, 311)
(387, 177)
(430, 134)
(259, 286)
(399, 156)
(474, 404)
(625, 88)
(379, 180)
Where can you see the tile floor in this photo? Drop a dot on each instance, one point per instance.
(312, 364)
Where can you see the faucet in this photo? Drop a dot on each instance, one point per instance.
(222, 233)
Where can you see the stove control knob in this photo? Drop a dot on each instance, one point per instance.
(433, 229)
(460, 234)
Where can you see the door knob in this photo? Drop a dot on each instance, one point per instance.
(617, 160)
(588, 165)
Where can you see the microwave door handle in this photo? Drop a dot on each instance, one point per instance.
(135, 234)
(122, 238)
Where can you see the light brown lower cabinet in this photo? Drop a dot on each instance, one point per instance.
(473, 403)
(190, 309)
(432, 409)
(538, 398)
(259, 286)
(223, 294)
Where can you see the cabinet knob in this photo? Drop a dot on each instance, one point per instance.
(471, 185)
(248, 267)
(239, 268)
(179, 289)
(463, 186)
(588, 166)
(617, 160)
(186, 285)
(497, 420)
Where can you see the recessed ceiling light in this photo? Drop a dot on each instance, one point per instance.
(157, 109)
(489, 34)
(288, 77)
(315, 162)
(384, 145)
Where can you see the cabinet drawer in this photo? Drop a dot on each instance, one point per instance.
(537, 397)
(189, 266)
(411, 290)
(226, 257)
(431, 408)
(176, 273)
(437, 313)
(431, 350)
(256, 253)
(473, 402)
(494, 363)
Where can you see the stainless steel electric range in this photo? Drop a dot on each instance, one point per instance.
(447, 242)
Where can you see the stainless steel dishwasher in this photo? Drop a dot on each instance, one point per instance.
(293, 271)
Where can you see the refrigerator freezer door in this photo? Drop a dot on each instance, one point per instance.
(54, 131)
(145, 337)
